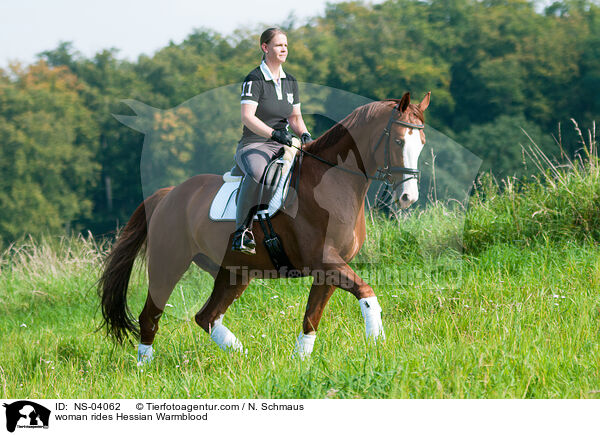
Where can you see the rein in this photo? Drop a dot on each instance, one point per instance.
(386, 174)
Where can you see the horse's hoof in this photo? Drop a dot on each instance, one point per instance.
(145, 354)
(224, 338)
(304, 346)
(371, 311)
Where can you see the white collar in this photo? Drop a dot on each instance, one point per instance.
(267, 72)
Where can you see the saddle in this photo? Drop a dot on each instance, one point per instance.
(275, 186)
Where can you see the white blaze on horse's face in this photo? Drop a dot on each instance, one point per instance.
(408, 192)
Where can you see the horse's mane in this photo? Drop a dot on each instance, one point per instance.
(357, 117)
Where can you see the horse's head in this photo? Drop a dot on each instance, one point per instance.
(404, 144)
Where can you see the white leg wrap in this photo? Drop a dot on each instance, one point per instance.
(304, 345)
(371, 311)
(224, 338)
(145, 354)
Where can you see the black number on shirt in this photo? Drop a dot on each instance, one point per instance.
(246, 89)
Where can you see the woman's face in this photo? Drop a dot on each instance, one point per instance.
(276, 49)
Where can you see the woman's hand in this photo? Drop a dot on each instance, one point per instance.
(282, 136)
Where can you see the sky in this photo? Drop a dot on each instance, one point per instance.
(28, 27)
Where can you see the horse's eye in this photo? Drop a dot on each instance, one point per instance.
(400, 142)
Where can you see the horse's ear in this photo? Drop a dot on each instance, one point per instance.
(425, 103)
(404, 102)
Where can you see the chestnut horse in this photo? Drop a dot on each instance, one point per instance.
(327, 231)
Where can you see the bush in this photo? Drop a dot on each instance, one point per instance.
(561, 203)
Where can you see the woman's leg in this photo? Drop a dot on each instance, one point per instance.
(252, 159)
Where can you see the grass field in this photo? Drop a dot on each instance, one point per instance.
(514, 313)
(520, 323)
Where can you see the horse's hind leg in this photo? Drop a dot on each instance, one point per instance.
(317, 299)
(227, 288)
(148, 319)
(165, 269)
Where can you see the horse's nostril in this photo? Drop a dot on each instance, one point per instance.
(404, 197)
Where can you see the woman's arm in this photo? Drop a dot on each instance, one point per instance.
(250, 120)
(296, 122)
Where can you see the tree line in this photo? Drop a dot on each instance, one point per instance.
(494, 67)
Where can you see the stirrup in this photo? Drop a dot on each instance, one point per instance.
(243, 241)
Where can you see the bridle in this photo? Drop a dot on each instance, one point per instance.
(385, 174)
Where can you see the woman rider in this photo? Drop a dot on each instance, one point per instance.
(269, 102)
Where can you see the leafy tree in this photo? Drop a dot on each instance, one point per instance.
(492, 66)
(48, 141)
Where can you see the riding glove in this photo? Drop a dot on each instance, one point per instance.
(305, 137)
(282, 136)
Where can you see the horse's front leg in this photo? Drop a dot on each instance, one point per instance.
(347, 279)
(317, 299)
(325, 281)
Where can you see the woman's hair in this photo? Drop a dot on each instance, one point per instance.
(269, 34)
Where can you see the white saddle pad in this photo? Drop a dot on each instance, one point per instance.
(223, 205)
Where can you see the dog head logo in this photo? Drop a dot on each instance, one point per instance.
(26, 414)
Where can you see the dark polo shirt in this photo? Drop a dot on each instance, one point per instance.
(274, 101)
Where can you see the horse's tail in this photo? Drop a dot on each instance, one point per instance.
(112, 287)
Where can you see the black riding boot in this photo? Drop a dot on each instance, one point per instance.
(243, 239)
